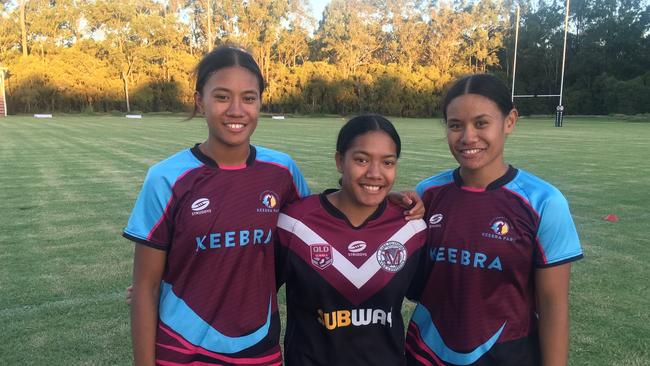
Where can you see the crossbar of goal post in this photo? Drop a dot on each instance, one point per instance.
(535, 95)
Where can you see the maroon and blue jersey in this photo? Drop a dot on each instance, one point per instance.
(345, 285)
(217, 297)
(478, 303)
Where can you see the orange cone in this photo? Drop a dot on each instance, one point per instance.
(611, 218)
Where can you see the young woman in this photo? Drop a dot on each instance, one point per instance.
(348, 257)
(501, 243)
(204, 285)
(203, 288)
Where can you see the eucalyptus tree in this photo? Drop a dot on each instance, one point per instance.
(351, 34)
(10, 40)
(127, 32)
(405, 27)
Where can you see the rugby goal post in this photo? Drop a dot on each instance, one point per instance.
(559, 110)
(3, 99)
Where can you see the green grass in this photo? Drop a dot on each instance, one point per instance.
(68, 185)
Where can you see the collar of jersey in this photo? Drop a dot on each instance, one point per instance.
(498, 183)
(211, 163)
(332, 210)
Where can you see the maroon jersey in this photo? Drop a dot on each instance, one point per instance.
(345, 285)
(218, 300)
(478, 305)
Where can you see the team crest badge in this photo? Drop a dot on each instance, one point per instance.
(321, 255)
(269, 199)
(270, 202)
(391, 256)
(500, 227)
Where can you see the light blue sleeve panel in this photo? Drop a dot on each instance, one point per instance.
(557, 238)
(437, 180)
(150, 208)
(286, 162)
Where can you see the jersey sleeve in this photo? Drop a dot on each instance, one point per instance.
(299, 187)
(150, 222)
(557, 238)
(420, 188)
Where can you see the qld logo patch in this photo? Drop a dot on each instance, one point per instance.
(321, 255)
(270, 202)
(200, 207)
(391, 256)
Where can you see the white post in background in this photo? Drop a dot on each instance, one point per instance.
(560, 108)
(514, 62)
(2, 86)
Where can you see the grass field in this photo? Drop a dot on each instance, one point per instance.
(69, 183)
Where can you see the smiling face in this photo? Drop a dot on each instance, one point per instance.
(230, 100)
(368, 169)
(476, 133)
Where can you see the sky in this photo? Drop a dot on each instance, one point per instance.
(317, 7)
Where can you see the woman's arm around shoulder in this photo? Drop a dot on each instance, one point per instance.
(411, 202)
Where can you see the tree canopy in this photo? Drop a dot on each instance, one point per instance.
(392, 56)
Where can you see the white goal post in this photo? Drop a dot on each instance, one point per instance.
(559, 110)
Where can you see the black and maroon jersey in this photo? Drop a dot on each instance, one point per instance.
(345, 284)
(478, 303)
(217, 299)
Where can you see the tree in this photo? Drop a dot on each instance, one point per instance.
(292, 46)
(53, 24)
(23, 30)
(259, 27)
(350, 33)
(444, 42)
(386, 56)
(130, 29)
(404, 29)
(485, 35)
(10, 40)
